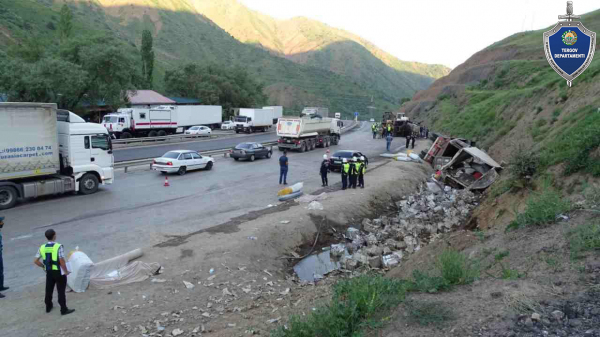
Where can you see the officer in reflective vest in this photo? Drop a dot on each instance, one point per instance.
(353, 173)
(345, 171)
(362, 168)
(389, 128)
(53, 262)
(374, 129)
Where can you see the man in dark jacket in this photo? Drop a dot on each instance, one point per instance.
(324, 170)
(2, 287)
(362, 168)
(283, 168)
(353, 175)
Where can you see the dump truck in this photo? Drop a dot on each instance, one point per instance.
(313, 111)
(46, 151)
(160, 120)
(308, 132)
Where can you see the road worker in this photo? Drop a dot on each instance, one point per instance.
(362, 168)
(345, 171)
(53, 256)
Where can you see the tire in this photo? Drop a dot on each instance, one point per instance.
(303, 147)
(237, 131)
(88, 184)
(252, 158)
(182, 170)
(236, 159)
(313, 145)
(162, 133)
(152, 133)
(8, 197)
(209, 166)
(126, 135)
(268, 154)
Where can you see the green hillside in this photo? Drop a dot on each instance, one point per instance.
(181, 35)
(509, 99)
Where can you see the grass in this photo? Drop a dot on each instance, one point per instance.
(584, 238)
(592, 197)
(451, 268)
(499, 188)
(429, 313)
(355, 305)
(542, 208)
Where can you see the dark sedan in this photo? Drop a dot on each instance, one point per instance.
(335, 162)
(251, 151)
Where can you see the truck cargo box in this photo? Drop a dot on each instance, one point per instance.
(191, 115)
(302, 127)
(28, 140)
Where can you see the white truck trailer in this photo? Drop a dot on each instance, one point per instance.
(250, 120)
(45, 151)
(306, 133)
(277, 112)
(160, 120)
(323, 112)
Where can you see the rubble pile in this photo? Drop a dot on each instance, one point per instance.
(421, 218)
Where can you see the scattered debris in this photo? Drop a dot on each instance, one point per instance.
(176, 332)
(274, 320)
(285, 222)
(252, 237)
(188, 285)
(158, 280)
(315, 206)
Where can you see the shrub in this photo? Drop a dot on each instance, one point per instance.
(524, 164)
(426, 283)
(542, 208)
(354, 304)
(455, 268)
(429, 313)
(584, 238)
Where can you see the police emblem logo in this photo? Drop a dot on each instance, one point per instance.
(569, 37)
(569, 46)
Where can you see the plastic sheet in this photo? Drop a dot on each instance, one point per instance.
(81, 268)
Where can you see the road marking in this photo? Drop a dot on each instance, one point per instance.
(22, 237)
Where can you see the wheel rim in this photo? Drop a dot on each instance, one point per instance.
(5, 198)
(181, 170)
(252, 158)
(89, 184)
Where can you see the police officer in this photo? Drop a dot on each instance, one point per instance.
(353, 173)
(374, 129)
(389, 128)
(362, 168)
(53, 256)
(324, 170)
(345, 171)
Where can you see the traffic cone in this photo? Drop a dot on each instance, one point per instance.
(167, 182)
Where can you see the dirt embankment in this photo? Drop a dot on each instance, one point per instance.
(250, 287)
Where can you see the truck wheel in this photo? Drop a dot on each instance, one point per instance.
(237, 131)
(182, 170)
(125, 135)
(303, 147)
(162, 133)
(152, 133)
(88, 184)
(8, 197)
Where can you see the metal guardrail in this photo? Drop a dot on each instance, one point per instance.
(148, 161)
(179, 137)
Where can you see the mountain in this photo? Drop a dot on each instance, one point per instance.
(340, 73)
(509, 99)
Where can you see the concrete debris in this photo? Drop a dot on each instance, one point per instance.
(285, 292)
(188, 285)
(226, 292)
(315, 206)
(176, 332)
(285, 222)
(274, 320)
(206, 314)
(421, 218)
(158, 280)
(142, 329)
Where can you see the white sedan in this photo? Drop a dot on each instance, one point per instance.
(181, 161)
(227, 125)
(198, 130)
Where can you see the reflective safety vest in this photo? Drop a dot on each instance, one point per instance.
(49, 253)
(346, 168)
(373, 127)
(362, 168)
(389, 128)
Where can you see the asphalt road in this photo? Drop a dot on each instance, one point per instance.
(138, 211)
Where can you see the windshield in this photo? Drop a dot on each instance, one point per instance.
(343, 154)
(244, 146)
(240, 119)
(171, 155)
(110, 119)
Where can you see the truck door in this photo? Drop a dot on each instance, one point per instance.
(160, 119)
(101, 152)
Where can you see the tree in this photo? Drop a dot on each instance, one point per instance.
(65, 24)
(147, 57)
(214, 84)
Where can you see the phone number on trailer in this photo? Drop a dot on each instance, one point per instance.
(25, 149)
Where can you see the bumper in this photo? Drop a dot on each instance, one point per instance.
(165, 168)
(292, 146)
(241, 156)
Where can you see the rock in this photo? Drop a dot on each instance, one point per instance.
(374, 251)
(351, 264)
(370, 228)
(558, 315)
(176, 332)
(360, 259)
(496, 294)
(375, 261)
(196, 329)
(575, 322)
(231, 325)
(352, 233)
(142, 329)
(433, 187)
(589, 332)
(371, 240)
(188, 285)
(536, 317)
(528, 323)
(387, 251)
(337, 250)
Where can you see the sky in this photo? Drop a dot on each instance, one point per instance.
(444, 32)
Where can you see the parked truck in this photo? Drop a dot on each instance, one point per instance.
(250, 120)
(46, 151)
(323, 112)
(277, 112)
(307, 132)
(160, 120)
